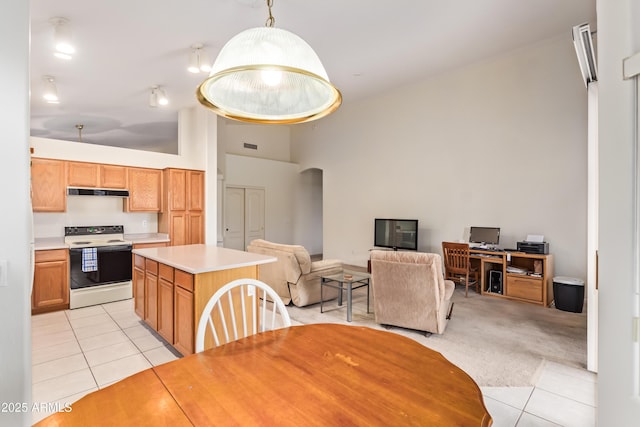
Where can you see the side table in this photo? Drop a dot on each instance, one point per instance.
(345, 281)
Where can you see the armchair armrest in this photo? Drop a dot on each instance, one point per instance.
(325, 265)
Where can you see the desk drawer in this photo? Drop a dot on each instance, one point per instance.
(529, 288)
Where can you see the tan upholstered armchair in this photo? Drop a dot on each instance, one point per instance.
(409, 290)
(294, 276)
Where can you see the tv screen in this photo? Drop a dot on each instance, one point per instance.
(396, 233)
(486, 235)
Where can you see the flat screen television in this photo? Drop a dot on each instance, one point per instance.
(396, 234)
(485, 235)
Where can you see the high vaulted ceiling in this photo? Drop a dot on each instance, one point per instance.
(123, 47)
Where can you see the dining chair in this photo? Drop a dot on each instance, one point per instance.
(457, 266)
(248, 304)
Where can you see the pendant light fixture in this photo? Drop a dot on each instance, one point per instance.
(269, 75)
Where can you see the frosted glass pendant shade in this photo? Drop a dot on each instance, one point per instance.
(269, 75)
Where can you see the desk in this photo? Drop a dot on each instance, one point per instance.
(536, 289)
(312, 375)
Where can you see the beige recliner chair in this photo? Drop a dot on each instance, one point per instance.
(294, 276)
(409, 290)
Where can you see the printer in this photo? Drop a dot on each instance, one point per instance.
(540, 248)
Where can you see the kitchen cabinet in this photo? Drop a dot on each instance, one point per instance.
(92, 175)
(50, 281)
(145, 190)
(81, 174)
(138, 285)
(182, 215)
(183, 316)
(48, 185)
(112, 176)
(151, 293)
(165, 302)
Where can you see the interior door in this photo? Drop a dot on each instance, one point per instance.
(234, 218)
(254, 215)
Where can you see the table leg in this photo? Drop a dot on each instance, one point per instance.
(368, 287)
(321, 286)
(349, 289)
(340, 294)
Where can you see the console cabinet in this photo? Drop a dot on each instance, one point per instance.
(50, 281)
(532, 283)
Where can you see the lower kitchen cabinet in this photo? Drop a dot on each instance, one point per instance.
(165, 302)
(50, 281)
(151, 293)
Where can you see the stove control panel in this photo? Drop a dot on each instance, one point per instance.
(94, 230)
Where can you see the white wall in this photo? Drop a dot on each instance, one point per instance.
(279, 181)
(501, 143)
(15, 234)
(273, 141)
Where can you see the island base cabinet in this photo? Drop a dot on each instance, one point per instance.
(183, 329)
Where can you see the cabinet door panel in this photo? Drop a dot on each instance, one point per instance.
(165, 309)
(50, 286)
(177, 183)
(151, 300)
(113, 176)
(145, 190)
(183, 330)
(138, 291)
(178, 228)
(524, 288)
(196, 228)
(82, 174)
(48, 185)
(195, 190)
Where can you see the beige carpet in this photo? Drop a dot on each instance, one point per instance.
(498, 342)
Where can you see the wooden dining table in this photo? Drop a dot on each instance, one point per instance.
(310, 375)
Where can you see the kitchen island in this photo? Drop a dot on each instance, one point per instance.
(171, 285)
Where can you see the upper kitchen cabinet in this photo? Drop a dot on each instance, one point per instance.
(83, 174)
(145, 190)
(48, 185)
(195, 190)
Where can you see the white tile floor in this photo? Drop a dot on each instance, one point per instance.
(75, 352)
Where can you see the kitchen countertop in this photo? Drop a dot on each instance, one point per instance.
(196, 259)
(49, 243)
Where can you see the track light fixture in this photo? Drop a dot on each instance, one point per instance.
(158, 97)
(199, 61)
(63, 45)
(50, 92)
(268, 75)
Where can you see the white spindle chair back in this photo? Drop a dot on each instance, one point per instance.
(223, 310)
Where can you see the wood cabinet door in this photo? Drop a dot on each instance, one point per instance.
(145, 190)
(178, 228)
(50, 286)
(195, 189)
(165, 309)
(82, 174)
(151, 299)
(138, 291)
(183, 327)
(196, 228)
(48, 185)
(176, 183)
(113, 176)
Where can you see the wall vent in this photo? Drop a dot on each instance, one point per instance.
(250, 146)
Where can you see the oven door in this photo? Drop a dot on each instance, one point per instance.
(99, 265)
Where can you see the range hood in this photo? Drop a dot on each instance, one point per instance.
(76, 191)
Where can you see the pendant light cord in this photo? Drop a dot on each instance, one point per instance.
(270, 20)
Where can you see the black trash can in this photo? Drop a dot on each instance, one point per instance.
(568, 293)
